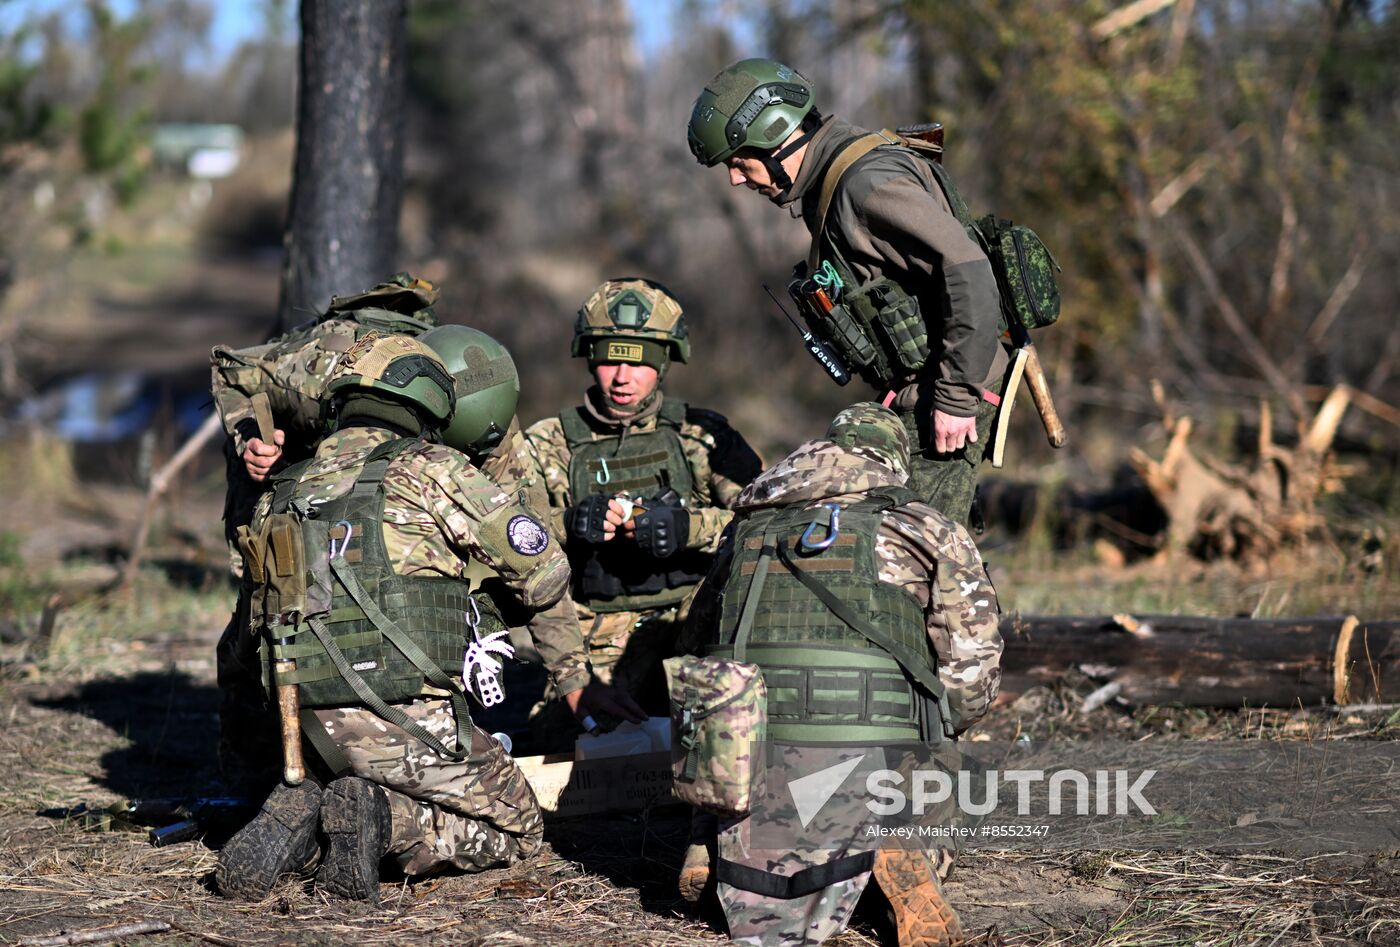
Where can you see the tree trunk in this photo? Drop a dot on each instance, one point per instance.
(343, 226)
(1210, 662)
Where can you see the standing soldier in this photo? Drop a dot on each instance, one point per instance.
(920, 315)
(639, 485)
(873, 622)
(356, 566)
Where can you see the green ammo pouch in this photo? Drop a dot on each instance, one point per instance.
(895, 314)
(719, 721)
(1025, 271)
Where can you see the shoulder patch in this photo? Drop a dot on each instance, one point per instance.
(526, 535)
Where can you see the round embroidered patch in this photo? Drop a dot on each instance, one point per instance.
(526, 536)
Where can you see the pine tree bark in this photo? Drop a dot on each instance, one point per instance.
(347, 188)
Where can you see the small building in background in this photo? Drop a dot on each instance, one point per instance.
(203, 150)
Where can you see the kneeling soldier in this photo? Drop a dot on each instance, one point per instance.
(834, 571)
(356, 561)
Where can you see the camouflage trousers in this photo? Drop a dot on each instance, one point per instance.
(946, 482)
(625, 649)
(775, 843)
(477, 814)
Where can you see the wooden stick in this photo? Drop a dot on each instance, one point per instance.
(97, 935)
(160, 482)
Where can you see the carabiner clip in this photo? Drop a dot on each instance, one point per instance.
(833, 529)
(473, 617)
(603, 476)
(338, 551)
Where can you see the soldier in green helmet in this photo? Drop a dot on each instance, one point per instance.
(357, 575)
(639, 486)
(873, 625)
(916, 307)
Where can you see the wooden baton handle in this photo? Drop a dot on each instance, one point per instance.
(289, 711)
(1040, 394)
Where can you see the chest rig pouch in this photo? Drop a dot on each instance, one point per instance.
(617, 576)
(845, 657)
(324, 591)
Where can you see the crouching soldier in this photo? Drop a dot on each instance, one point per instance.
(355, 565)
(870, 617)
(639, 486)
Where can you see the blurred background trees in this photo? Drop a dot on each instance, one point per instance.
(1217, 178)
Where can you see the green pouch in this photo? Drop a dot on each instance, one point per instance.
(719, 720)
(1025, 271)
(896, 315)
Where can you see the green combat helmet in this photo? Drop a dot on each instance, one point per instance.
(393, 371)
(755, 103)
(872, 431)
(487, 387)
(631, 320)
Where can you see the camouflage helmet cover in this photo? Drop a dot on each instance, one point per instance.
(486, 382)
(631, 309)
(401, 368)
(872, 431)
(755, 103)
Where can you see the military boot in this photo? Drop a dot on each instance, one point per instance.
(922, 915)
(355, 820)
(696, 871)
(280, 841)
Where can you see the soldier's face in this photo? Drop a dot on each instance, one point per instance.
(626, 384)
(752, 174)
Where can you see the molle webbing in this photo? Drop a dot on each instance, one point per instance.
(615, 577)
(642, 463)
(839, 648)
(353, 652)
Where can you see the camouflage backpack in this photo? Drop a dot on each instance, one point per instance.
(719, 718)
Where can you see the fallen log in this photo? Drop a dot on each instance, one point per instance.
(1210, 662)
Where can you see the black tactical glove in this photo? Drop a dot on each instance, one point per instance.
(663, 528)
(584, 520)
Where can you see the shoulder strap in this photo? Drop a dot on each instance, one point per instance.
(576, 429)
(672, 412)
(853, 152)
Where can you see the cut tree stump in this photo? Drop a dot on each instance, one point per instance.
(1210, 662)
(1219, 510)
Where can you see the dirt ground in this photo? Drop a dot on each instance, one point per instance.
(149, 731)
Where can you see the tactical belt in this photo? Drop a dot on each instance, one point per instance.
(797, 885)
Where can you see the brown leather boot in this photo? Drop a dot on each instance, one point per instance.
(922, 916)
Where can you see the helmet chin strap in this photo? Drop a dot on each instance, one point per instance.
(773, 164)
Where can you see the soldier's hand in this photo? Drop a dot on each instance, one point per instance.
(662, 530)
(600, 698)
(620, 518)
(951, 432)
(587, 520)
(260, 456)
